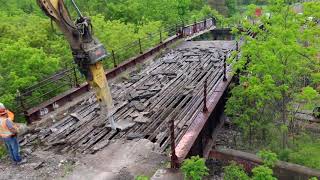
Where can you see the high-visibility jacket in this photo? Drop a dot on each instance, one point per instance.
(4, 130)
(10, 115)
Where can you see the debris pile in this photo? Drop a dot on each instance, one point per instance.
(169, 88)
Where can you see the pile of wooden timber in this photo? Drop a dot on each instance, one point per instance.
(169, 88)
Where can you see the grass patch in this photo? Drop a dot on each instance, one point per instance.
(3, 151)
(142, 178)
(68, 168)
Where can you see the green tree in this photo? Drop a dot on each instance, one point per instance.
(183, 9)
(232, 7)
(274, 67)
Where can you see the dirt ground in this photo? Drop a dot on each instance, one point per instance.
(40, 165)
(123, 160)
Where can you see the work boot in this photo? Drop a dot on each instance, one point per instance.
(23, 161)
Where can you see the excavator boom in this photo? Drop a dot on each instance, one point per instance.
(87, 51)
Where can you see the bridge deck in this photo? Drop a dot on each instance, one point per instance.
(145, 101)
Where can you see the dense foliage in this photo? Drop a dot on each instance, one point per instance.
(194, 168)
(32, 49)
(279, 77)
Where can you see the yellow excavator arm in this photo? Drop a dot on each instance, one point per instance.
(87, 51)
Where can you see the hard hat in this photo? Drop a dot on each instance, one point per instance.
(3, 109)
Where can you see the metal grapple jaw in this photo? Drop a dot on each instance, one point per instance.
(91, 50)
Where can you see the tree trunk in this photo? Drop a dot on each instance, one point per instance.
(250, 137)
(284, 121)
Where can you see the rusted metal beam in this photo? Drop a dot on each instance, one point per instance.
(188, 140)
(282, 170)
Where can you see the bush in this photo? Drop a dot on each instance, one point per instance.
(194, 168)
(262, 173)
(269, 158)
(235, 172)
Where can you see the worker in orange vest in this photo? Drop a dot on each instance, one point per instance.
(8, 133)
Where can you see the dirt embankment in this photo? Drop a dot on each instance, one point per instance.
(122, 160)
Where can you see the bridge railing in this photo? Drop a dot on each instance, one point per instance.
(191, 29)
(68, 78)
(36, 98)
